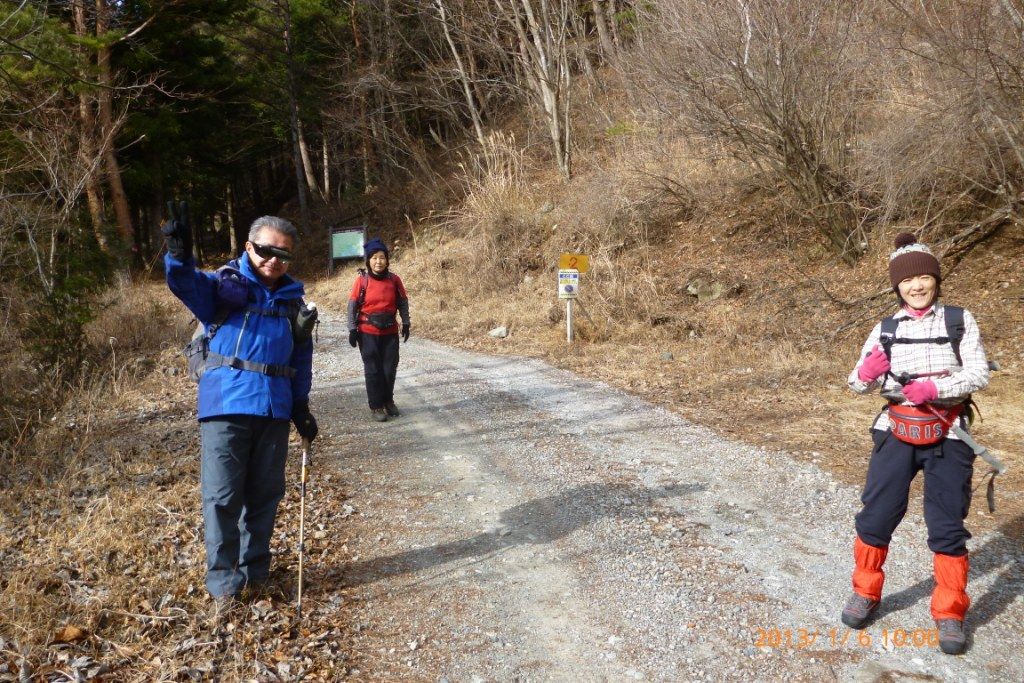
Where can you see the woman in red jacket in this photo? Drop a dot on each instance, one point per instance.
(377, 296)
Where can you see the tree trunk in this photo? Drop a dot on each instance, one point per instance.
(293, 107)
(366, 143)
(327, 167)
(543, 51)
(347, 156)
(87, 141)
(232, 229)
(106, 118)
(307, 163)
(157, 207)
(613, 23)
(463, 76)
(604, 36)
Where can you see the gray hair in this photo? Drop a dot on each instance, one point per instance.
(273, 223)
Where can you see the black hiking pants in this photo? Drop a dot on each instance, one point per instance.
(947, 467)
(380, 367)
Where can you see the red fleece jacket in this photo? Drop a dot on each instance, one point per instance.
(382, 296)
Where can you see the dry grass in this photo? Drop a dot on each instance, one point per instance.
(101, 564)
(27, 391)
(767, 362)
(71, 513)
(139, 319)
(101, 552)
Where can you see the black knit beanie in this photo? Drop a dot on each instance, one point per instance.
(372, 247)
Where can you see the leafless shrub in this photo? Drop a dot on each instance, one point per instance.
(542, 29)
(498, 208)
(142, 320)
(773, 82)
(952, 152)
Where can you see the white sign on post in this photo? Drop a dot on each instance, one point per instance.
(568, 284)
(568, 289)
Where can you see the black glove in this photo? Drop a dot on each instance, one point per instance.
(177, 231)
(405, 332)
(305, 424)
(353, 338)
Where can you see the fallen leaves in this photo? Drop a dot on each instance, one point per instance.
(70, 634)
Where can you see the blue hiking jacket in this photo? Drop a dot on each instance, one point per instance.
(249, 336)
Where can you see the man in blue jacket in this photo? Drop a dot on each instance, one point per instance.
(257, 376)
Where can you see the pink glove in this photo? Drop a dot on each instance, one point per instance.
(874, 366)
(921, 391)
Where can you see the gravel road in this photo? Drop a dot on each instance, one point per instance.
(518, 522)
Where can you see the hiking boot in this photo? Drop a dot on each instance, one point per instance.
(392, 409)
(379, 414)
(952, 639)
(858, 610)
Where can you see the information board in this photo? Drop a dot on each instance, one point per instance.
(346, 243)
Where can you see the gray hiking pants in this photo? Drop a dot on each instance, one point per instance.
(242, 482)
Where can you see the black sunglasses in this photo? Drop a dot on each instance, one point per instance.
(267, 252)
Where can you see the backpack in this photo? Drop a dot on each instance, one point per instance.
(954, 317)
(198, 348)
(301, 318)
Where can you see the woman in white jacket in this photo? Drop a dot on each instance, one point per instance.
(926, 360)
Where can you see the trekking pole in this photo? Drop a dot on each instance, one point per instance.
(302, 518)
(997, 466)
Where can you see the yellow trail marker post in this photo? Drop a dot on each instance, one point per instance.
(577, 262)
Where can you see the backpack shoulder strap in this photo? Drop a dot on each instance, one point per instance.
(292, 308)
(223, 312)
(954, 328)
(888, 335)
(218, 319)
(364, 280)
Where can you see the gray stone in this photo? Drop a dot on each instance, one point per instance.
(706, 290)
(499, 332)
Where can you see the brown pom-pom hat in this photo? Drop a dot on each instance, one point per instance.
(911, 258)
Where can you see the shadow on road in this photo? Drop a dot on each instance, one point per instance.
(538, 521)
(1000, 555)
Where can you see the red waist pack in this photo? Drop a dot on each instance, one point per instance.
(919, 426)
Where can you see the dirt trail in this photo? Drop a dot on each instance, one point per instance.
(520, 523)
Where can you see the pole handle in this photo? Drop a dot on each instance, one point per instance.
(306, 458)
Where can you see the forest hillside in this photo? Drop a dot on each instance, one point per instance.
(735, 172)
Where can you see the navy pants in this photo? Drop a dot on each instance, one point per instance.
(947, 466)
(380, 366)
(242, 483)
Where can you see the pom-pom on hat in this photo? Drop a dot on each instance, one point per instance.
(373, 246)
(911, 258)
